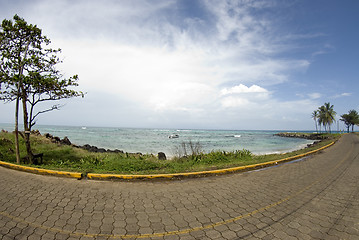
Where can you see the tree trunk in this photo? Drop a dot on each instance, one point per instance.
(24, 106)
(17, 150)
(26, 127)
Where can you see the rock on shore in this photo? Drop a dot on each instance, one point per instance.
(309, 136)
(88, 147)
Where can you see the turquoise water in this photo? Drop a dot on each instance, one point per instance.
(157, 140)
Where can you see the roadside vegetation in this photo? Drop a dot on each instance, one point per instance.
(350, 119)
(190, 158)
(325, 116)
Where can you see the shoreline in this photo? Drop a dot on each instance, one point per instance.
(315, 138)
(63, 156)
(90, 148)
(153, 141)
(160, 176)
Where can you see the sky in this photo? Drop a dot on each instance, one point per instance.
(211, 64)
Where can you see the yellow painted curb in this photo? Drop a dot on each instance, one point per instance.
(98, 176)
(41, 171)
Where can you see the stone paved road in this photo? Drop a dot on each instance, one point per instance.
(317, 198)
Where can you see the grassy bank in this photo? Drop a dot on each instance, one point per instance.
(68, 158)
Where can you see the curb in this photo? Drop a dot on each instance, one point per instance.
(42, 171)
(98, 176)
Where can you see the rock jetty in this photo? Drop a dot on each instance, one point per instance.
(309, 136)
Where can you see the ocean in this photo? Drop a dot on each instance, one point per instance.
(158, 140)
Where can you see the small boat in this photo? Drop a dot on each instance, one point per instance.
(235, 136)
(83, 128)
(173, 136)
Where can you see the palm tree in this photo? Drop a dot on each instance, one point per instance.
(355, 118)
(347, 120)
(315, 117)
(326, 116)
(350, 119)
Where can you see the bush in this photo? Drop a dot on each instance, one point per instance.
(7, 148)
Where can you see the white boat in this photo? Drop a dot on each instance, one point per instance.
(173, 136)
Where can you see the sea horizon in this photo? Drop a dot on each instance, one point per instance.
(170, 128)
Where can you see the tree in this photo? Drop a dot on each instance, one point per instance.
(315, 117)
(347, 121)
(326, 116)
(14, 45)
(350, 119)
(355, 118)
(28, 73)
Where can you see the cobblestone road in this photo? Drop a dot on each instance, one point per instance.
(317, 198)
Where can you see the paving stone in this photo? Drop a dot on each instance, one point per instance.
(314, 198)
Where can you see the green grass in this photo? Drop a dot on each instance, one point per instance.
(68, 158)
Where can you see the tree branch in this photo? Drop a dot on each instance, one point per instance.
(54, 107)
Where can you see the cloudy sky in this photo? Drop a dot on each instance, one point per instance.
(207, 64)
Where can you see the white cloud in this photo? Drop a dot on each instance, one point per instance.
(244, 97)
(159, 79)
(315, 95)
(269, 112)
(193, 69)
(243, 89)
(346, 94)
(234, 102)
(327, 48)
